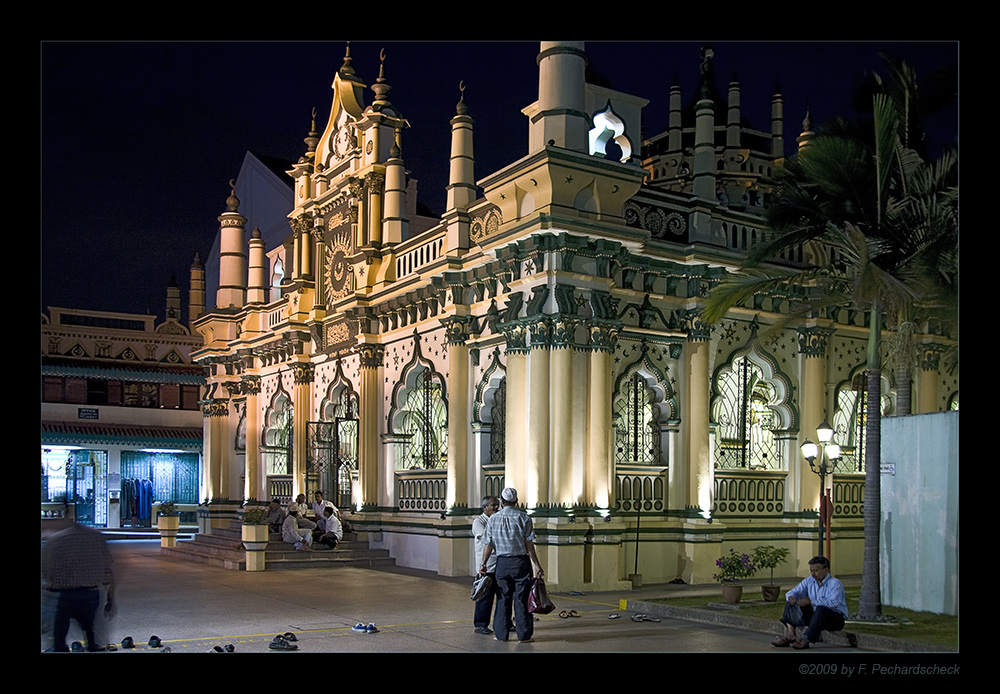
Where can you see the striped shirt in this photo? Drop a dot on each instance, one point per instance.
(507, 530)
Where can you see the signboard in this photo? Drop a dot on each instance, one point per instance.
(86, 413)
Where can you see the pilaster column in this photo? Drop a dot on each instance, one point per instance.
(302, 378)
(457, 329)
(216, 413)
(927, 379)
(803, 485)
(253, 486)
(516, 445)
(600, 431)
(368, 439)
(691, 488)
(563, 422)
(302, 228)
(319, 263)
(536, 483)
(375, 181)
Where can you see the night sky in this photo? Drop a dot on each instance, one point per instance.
(139, 140)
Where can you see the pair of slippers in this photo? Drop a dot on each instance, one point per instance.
(283, 642)
(360, 628)
(641, 617)
(154, 642)
(569, 613)
(229, 648)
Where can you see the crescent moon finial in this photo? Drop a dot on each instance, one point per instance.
(381, 55)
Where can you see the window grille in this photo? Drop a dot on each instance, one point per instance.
(744, 438)
(637, 434)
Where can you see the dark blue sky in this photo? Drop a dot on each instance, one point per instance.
(140, 140)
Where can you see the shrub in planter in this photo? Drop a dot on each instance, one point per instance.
(768, 557)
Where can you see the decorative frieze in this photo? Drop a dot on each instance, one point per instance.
(215, 407)
(302, 373)
(813, 341)
(370, 355)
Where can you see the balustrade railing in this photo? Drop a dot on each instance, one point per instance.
(848, 496)
(421, 491)
(640, 488)
(753, 493)
(424, 251)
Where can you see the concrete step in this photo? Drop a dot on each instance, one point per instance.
(223, 547)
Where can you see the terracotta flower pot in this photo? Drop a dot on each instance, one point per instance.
(770, 593)
(731, 593)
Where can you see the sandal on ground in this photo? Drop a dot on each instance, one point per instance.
(800, 644)
(289, 636)
(280, 643)
(564, 614)
(573, 613)
(614, 615)
(783, 641)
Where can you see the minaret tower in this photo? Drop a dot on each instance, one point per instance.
(561, 119)
(461, 179)
(807, 132)
(173, 299)
(196, 296)
(704, 134)
(232, 255)
(777, 123)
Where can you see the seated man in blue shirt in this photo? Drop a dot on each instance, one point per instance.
(817, 603)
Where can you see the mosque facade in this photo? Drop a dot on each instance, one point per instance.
(544, 333)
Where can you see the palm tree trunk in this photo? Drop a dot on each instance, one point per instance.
(870, 604)
(904, 389)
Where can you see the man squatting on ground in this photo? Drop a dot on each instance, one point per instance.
(817, 603)
(511, 534)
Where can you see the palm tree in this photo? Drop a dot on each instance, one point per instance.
(876, 217)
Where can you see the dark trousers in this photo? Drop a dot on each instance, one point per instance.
(513, 585)
(80, 604)
(484, 605)
(815, 620)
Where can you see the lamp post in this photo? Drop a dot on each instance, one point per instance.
(827, 451)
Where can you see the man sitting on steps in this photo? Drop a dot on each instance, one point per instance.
(291, 532)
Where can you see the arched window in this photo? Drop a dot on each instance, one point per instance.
(498, 427)
(276, 449)
(636, 422)
(744, 438)
(333, 447)
(423, 419)
(851, 419)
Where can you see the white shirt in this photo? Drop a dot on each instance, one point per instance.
(332, 525)
(318, 507)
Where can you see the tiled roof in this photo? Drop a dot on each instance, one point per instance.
(78, 433)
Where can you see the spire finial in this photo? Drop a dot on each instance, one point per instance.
(461, 109)
(381, 86)
(346, 68)
(312, 139)
(232, 202)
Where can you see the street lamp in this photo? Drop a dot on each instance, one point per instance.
(827, 451)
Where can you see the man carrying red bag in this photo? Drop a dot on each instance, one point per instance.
(511, 535)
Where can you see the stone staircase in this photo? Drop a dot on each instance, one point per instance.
(224, 547)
